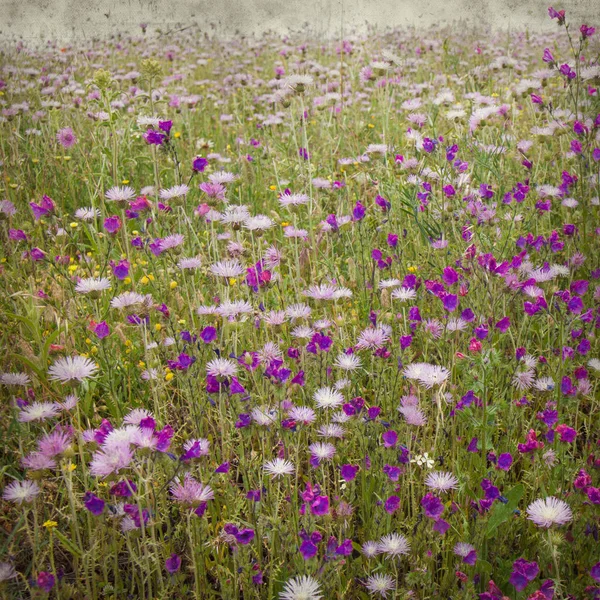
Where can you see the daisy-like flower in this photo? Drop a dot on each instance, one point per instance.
(404, 294)
(327, 397)
(92, 286)
(322, 450)
(120, 195)
(7, 571)
(523, 380)
(278, 467)
(21, 491)
(275, 318)
(221, 368)
(66, 138)
(456, 324)
(293, 199)
(332, 430)
(463, 549)
(111, 459)
(222, 177)
(231, 310)
(190, 492)
(441, 481)
(136, 416)
(235, 215)
(298, 311)
(370, 549)
(177, 191)
(264, 416)
(14, 379)
(127, 300)
(393, 545)
(302, 332)
(38, 411)
(347, 362)
(72, 368)
(389, 283)
(171, 241)
(373, 338)
(37, 461)
(227, 269)
(259, 223)
(426, 374)
(594, 363)
(302, 414)
(549, 511)
(87, 214)
(413, 415)
(544, 384)
(321, 292)
(189, 263)
(301, 588)
(380, 584)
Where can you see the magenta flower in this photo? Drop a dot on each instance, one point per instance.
(94, 504)
(173, 564)
(392, 504)
(432, 505)
(390, 438)
(66, 138)
(320, 506)
(523, 572)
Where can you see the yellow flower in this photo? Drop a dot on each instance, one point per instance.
(125, 181)
(73, 268)
(71, 467)
(371, 126)
(173, 285)
(158, 327)
(128, 343)
(181, 321)
(177, 134)
(141, 364)
(232, 281)
(284, 224)
(169, 376)
(50, 524)
(272, 187)
(413, 269)
(127, 280)
(151, 277)
(73, 225)
(144, 280)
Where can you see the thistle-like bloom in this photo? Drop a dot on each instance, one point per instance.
(293, 199)
(327, 397)
(111, 460)
(38, 411)
(428, 375)
(380, 584)
(91, 285)
(278, 467)
(258, 223)
(189, 263)
(227, 269)
(221, 367)
(72, 368)
(322, 450)
(302, 414)
(171, 241)
(463, 549)
(120, 194)
(441, 481)
(373, 338)
(231, 310)
(347, 362)
(129, 299)
(301, 588)
(393, 545)
(176, 191)
(404, 294)
(66, 138)
(87, 213)
(21, 491)
(549, 511)
(7, 571)
(298, 311)
(14, 379)
(191, 492)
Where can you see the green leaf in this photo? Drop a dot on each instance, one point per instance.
(67, 544)
(502, 512)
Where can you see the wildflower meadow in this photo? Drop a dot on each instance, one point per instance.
(284, 317)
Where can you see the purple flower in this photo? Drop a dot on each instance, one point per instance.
(112, 224)
(45, 207)
(208, 334)
(199, 164)
(505, 461)
(472, 447)
(222, 468)
(345, 548)
(121, 269)
(358, 213)
(101, 330)
(94, 504)
(320, 506)
(165, 126)
(523, 572)
(432, 505)
(173, 564)
(471, 558)
(450, 302)
(37, 254)
(595, 572)
(390, 438)
(154, 137)
(441, 526)
(392, 504)
(348, 472)
(547, 57)
(244, 536)
(503, 324)
(307, 549)
(45, 581)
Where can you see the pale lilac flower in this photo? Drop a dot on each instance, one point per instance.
(38, 411)
(301, 588)
(549, 511)
(278, 467)
(441, 481)
(72, 368)
(21, 492)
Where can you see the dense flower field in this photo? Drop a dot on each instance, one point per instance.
(295, 319)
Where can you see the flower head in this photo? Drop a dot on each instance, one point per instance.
(549, 511)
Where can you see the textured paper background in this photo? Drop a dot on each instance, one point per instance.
(66, 19)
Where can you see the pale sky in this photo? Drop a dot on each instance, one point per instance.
(63, 19)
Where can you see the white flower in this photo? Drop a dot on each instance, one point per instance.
(174, 192)
(221, 367)
(14, 379)
(120, 194)
(423, 460)
(21, 491)
(403, 294)
(463, 549)
(72, 368)
(189, 263)
(441, 481)
(327, 397)
(549, 511)
(87, 214)
(347, 362)
(278, 467)
(91, 285)
(301, 588)
(258, 223)
(393, 545)
(227, 269)
(380, 584)
(38, 411)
